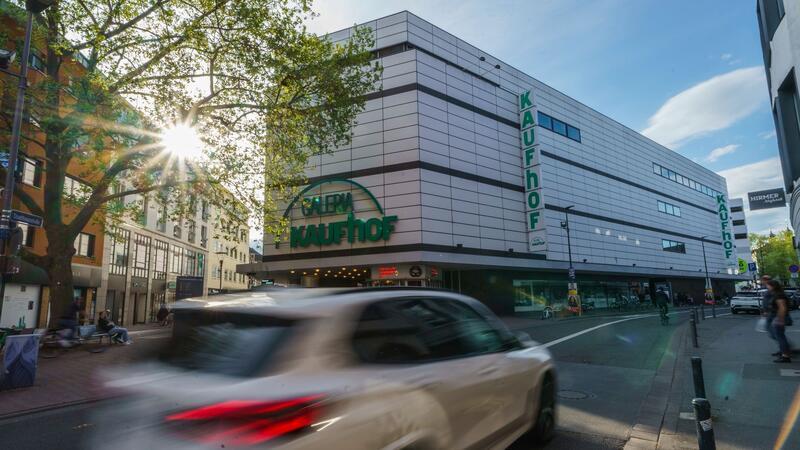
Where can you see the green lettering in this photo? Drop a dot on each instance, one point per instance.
(534, 219)
(525, 100)
(311, 237)
(388, 226)
(527, 119)
(326, 234)
(377, 224)
(337, 231)
(294, 236)
(531, 179)
(530, 153)
(528, 137)
(533, 199)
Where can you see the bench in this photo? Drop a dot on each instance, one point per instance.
(88, 334)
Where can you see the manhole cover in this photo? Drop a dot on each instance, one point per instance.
(573, 395)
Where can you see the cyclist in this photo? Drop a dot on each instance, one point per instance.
(662, 301)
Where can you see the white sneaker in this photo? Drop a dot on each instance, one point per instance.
(129, 342)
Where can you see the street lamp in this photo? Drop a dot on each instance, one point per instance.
(33, 7)
(572, 287)
(709, 291)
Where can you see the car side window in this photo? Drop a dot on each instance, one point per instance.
(416, 330)
(384, 336)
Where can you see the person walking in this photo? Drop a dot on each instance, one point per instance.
(780, 320)
(766, 306)
(662, 302)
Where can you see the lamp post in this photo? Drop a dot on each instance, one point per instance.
(572, 287)
(33, 7)
(709, 291)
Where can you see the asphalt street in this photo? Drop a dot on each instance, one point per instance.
(604, 374)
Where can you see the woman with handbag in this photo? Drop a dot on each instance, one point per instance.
(782, 319)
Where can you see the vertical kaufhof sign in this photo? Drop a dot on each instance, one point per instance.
(728, 246)
(532, 174)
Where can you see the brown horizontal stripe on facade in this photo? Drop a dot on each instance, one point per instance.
(398, 249)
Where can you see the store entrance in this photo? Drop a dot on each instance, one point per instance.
(406, 283)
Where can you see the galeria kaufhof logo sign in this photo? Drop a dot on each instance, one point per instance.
(323, 204)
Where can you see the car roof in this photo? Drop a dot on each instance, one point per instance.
(305, 302)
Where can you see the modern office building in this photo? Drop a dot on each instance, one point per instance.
(779, 23)
(461, 173)
(226, 253)
(744, 253)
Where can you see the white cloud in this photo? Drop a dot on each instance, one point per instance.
(725, 56)
(758, 176)
(711, 105)
(719, 152)
(768, 135)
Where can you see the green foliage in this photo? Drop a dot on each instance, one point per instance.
(264, 93)
(774, 254)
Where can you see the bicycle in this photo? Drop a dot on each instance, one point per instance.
(663, 314)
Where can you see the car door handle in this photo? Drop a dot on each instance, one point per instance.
(487, 370)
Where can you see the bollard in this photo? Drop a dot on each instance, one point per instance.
(714, 310)
(697, 376)
(694, 313)
(705, 431)
(703, 312)
(693, 326)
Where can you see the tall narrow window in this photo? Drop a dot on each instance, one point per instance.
(84, 245)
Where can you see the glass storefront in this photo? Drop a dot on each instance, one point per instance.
(534, 295)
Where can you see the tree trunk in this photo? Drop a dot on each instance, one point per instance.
(61, 290)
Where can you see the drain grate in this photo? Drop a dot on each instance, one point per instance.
(568, 394)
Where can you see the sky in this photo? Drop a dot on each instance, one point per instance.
(688, 74)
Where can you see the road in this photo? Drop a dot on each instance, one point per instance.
(604, 374)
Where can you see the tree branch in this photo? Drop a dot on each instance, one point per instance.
(125, 26)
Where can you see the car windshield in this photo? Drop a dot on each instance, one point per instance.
(224, 343)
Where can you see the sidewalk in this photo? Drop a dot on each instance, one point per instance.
(749, 394)
(69, 378)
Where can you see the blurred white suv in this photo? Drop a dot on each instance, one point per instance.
(388, 368)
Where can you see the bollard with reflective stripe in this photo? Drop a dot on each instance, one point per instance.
(705, 430)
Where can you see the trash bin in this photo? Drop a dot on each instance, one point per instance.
(19, 361)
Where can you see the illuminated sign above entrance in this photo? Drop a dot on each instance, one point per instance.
(341, 203)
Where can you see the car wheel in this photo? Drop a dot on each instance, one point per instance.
(544, 428)
(733, 311)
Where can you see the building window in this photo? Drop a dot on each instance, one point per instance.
(76, 190)
(176, 231)
(191, 231)
(31, 171)
(84, 245)
(203, 236)
(190, 263)
(161, 224)
(36, 61)
(559, 127)
(740, 236)
(668, 208)
(28, 233)
(738, 222)
(667, 173)
(177, 260)
(160, 256)
(673, 246)
(119, 251)
(141, 255)
(204, 210)
(736, 209)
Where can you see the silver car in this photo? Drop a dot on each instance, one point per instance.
(385, 368)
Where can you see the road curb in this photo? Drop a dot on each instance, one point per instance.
(28, 412)
(646, 432)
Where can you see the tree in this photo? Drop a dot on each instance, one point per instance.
(264, 92)
(774, 254)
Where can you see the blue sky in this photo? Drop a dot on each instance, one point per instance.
(687, 73)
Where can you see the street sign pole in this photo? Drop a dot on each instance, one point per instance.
(16, 128)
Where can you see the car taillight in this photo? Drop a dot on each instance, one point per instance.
(246, 422)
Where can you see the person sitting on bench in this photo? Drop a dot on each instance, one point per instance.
(118, 334)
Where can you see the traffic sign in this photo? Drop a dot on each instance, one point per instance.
(31, 219)
(794, 268)
(751, 267)
(571, 273)
(4, 160)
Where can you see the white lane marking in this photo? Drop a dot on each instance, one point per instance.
(790, 373)
(602, 325)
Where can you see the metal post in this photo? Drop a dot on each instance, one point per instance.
(16, 129)
(714, 309)
(693, 326)
(705, 430)
(571, 274)
(697, 377)
(703, 312)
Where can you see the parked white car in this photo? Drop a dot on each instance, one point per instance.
(386, 368)
(746, 302)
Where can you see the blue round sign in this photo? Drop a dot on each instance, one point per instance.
(794, 268)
